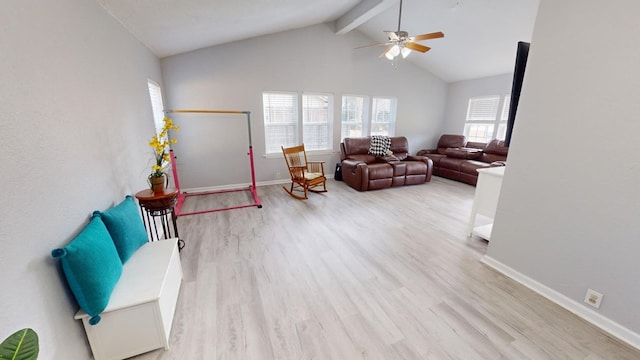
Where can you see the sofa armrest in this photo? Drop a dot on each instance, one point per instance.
(355, 173)
(427, 161)
(351, 162)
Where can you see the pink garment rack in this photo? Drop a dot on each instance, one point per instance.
(182, 195)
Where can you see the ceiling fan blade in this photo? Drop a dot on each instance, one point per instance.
(385, 51)
(392, 35)
(417, 47)
(435, 35)
(371, 45)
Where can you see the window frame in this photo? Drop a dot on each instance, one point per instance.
(268, 114)
(369, 114)
(393, 111)
(269, 149)
(363, 115)
(157, 104)
(494, 121)
(309, 147)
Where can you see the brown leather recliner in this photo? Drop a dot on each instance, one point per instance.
(365, 172)
(457, 159)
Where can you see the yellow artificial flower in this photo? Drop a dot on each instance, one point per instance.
(160, 144)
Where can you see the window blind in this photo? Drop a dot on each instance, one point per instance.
(483, 108)
(383, 119)
(353, 115)
(155, 94)
(317, 117)
(280, 120)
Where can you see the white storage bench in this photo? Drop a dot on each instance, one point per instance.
(140, 312)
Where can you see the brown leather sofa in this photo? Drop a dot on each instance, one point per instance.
(457, 159)
(365, 172)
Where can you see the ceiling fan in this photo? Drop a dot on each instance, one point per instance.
(400, 43)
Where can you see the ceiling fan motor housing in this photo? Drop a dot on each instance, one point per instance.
(402, 35)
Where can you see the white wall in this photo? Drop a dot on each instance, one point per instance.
(75, 123)
(459, 92)
(233, 76)
(569, 211)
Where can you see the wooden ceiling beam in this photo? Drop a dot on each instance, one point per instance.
(361, 13)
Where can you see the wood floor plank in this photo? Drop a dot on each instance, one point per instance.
(387, 274)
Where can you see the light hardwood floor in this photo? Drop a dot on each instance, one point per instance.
(386, 274)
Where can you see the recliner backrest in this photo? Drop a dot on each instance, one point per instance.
(452, 141)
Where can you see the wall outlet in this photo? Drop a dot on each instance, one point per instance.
(593, 298)
(277, 175)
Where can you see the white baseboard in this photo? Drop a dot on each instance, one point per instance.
(231, 186)
(240, 186)
(605, 324)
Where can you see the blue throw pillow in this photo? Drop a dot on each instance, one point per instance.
(125, 226)
(92, 267)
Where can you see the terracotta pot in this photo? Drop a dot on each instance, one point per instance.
(158, 184)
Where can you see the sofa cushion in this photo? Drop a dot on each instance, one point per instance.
(91, 266)
(463, 153)
(451, 163)
(125, 226)
(380, 171)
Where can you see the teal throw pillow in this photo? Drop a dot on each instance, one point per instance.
(92, 267)
(125, 226)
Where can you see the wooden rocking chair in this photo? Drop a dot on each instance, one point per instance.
(305, 175)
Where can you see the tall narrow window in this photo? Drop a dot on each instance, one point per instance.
(383, 116)
(354, 113)
(155, 93)
(317, 120)
(483, 120)
(280, 120)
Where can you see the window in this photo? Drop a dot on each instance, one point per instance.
(483, 123)
(317, 120)
(383, 120)
(356, 121)
(354, 113)
(155, 93)
(282, 121)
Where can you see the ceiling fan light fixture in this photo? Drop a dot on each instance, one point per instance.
(400, 43)
(405, 52)
(395, 50)
(388, 55)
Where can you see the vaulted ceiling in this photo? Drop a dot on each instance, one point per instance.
(480, 35)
